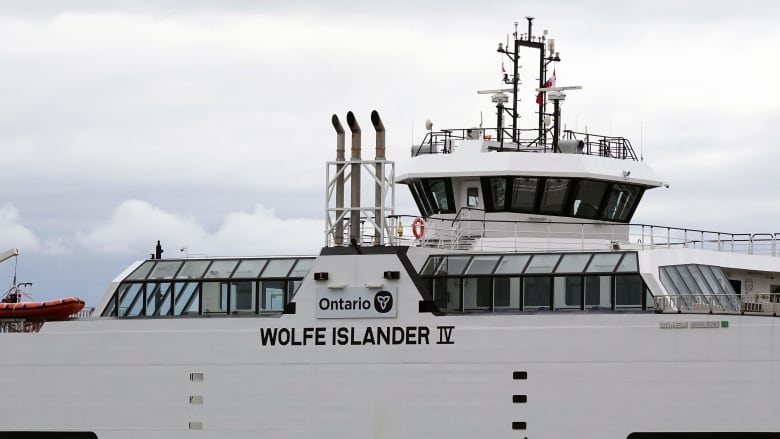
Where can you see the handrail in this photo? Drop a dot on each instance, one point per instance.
(762, 304)
(520, 235)
(462, 209)
(444, 142)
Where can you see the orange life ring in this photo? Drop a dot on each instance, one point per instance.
(418, 227)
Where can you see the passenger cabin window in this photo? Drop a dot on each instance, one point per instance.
(219, 287)
(536, 282)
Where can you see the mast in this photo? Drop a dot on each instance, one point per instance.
(539, 43)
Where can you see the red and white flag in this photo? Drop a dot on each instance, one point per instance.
(550, 83)
(503, 70)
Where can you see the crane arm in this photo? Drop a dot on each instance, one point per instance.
(10, 253)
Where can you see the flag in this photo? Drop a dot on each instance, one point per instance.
(503, 70)
(550, 83)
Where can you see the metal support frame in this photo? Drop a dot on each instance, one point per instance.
(381, 231)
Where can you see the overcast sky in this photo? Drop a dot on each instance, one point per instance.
(206, 124)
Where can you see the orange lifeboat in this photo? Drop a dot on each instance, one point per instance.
(59, 309)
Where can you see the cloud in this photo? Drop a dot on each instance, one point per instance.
(13, 233)
(135, 226)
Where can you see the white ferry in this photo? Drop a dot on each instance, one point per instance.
(521, 302)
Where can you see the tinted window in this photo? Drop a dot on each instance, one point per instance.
(621, 202)
(439, 194)
(419, 197)
(524, 194)
(554, 195)
(537, 291)
(588, 199)
(472, 197)
(498, 192)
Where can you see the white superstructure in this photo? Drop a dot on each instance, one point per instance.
(520, 303)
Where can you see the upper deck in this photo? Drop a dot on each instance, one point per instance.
(447, 141)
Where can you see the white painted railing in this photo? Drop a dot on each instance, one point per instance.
(765, 304)
(518, 236)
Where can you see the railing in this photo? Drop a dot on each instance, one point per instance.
(19, 326)
(763, 304)
(518, 236)
(83, 314)
(446, 141)
(25, 326)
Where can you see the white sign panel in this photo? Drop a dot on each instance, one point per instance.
(356, 303)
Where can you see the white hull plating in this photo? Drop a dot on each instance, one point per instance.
(592, 374)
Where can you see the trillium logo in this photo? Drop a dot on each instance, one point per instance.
(383, 302)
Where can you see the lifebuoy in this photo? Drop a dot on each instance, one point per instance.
(418, 227)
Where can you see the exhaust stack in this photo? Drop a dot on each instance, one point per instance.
(379, 127)
(354, 222)
(338, 237)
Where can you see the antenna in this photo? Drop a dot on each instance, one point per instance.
(569, 87)
(641, 141)
(494, 91)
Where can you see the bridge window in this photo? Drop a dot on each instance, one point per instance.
(498, 193)
(587, 202)
(554, 195)
(415, 187)
(441, 197)
(579, 198)
(622, 202)
(524, 194)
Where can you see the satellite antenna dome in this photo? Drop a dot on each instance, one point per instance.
(428, 124)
